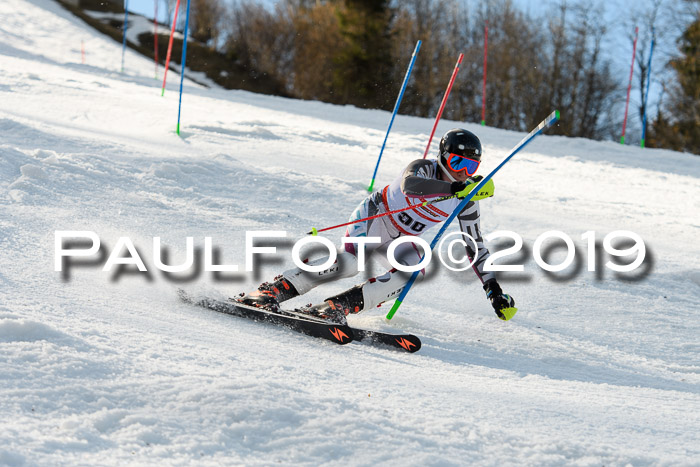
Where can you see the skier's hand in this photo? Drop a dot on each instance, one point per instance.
(503, 304)
(462, 189)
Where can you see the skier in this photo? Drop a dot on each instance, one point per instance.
(450, 174)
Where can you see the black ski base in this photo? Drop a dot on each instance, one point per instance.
(309, 325)
(338, 333)
(407, 342)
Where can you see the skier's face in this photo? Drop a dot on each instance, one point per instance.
(459, 176)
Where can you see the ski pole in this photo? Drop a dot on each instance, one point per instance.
(170, 48)
(444, 101)
(629, 86)
(489, 192)
(182, 62)
(483, 86)
(646, 94)
(396, 109)
(546, 123)
(126, 25)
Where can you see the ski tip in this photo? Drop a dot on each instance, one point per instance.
(409, 343)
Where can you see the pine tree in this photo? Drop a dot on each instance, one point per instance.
(362, 64)
(680, 128)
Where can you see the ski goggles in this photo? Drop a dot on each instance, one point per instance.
(458, 162)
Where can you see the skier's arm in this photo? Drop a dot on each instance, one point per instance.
(469, 223)
(418, 181)
(502, 304)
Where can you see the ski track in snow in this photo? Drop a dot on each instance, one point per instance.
(101, 368)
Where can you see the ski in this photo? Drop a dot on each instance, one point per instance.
(306, 324)
(338, 333)
(407, 342)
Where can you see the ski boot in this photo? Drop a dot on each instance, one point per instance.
(335, 309)
(269, 295)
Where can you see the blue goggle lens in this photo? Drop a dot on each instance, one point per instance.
(457, 163)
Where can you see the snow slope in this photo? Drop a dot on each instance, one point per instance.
(108, 368)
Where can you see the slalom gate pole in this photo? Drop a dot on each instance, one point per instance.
(483, 87)
(444, 101)
(126, 25)
(629, 86)
(170, 47)
(646, 94)
(182, 69)
(544, 124)
(82, 50)
(155, 36)
(396, 109)
(315, 231)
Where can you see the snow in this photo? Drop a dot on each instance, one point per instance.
(109, 368)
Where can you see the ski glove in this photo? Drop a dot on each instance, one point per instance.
(462, 189)
(503, 304)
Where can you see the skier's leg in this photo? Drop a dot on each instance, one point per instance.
(389, 285)
(344, 266)
(373, 292)
(296, 281)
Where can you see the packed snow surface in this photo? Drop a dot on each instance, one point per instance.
(109, 368)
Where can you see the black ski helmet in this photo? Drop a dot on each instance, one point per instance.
(462, 142)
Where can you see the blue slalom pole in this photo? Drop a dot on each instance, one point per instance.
(396, 109)
(546, 123)
(126, 25)
(646, 94)
(182, 69)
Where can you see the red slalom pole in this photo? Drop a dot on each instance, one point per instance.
(155, 36)
(629, 86)
(170, 47)
(487, 192)
(483, 88)
(444, 101)
(315, 231)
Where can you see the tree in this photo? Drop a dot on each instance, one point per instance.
(679, 127)
(205, 17)
(363, 62)
(316, 42)
(571, 72)
(443, 28)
